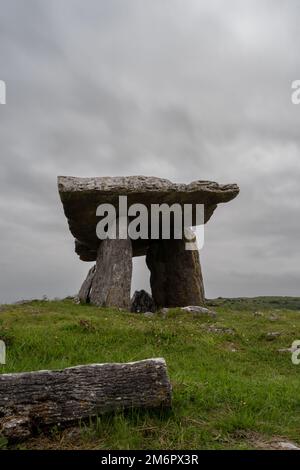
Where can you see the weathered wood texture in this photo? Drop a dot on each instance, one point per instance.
(37, 400)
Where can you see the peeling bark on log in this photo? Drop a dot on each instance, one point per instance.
(37, 400)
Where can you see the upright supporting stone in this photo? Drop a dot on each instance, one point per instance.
(84, 293)
(112, 277)
(176, 277)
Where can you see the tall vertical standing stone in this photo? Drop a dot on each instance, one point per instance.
(112, 277)
(176, 277)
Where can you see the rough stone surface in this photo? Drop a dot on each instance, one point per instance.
(164, 312)
(84, 293)
(81, 196)
(176, 278)
(111, 282)
(196, 309)
(142, 302)
(220, 330)
(287, 446)
(272, 335)
(148, 314)
(37, 400)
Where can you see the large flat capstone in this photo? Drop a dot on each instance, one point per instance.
(81, 197)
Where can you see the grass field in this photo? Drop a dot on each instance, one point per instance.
(232, 388)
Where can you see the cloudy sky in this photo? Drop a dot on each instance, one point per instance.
(179, 89)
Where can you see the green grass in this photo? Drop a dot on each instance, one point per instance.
(231, 389)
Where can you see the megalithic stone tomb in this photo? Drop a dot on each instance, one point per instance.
(176, 278)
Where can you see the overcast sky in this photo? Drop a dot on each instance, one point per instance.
(179, 89)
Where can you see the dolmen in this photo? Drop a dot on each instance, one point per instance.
(175, 271)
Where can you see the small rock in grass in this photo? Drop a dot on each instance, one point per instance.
(272, 335)
(258, 314)
(287, 446)
(221, 330)
(148, 314)
(142, 302)
(199, 310)
(164, 312)
(273, 317)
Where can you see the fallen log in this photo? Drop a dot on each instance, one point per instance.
(37, 400)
